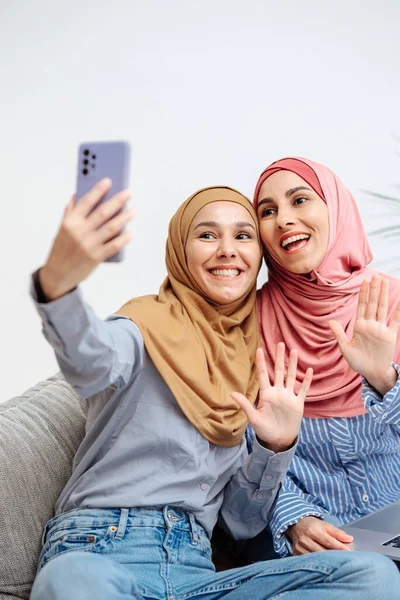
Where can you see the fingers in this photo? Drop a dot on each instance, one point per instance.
(262, 373)
(292, 370)
(340, 335)
(87, 203)
(279, 365)
(395, 320)
(115, 245)
(338, 534)
(105, 211)
(373, 298)
(70, 205)
(383, 302)
(114, 226)
(362, 300)
(305, 385)
(245, 405)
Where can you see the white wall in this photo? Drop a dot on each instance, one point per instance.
(207, 93)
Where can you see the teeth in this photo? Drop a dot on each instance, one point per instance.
(294, 238)
(225, 272)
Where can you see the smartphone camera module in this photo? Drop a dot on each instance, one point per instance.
(85, 171)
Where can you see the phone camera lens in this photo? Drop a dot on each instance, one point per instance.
(85, 171)
(86, 152)
(86, 162)
(94, 157)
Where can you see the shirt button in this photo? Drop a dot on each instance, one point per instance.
(204, 487)
(275, 461)
(260, 496)
(268, 477)
(384, 416)
(365, 498)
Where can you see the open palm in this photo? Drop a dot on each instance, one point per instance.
(276, 419)
(371, 349)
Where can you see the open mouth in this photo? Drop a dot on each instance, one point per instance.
(295, 242)
(225, 273)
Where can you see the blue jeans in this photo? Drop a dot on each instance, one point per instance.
(121, 554)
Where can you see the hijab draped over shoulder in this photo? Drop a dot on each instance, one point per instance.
(202, 350)
(296, 308)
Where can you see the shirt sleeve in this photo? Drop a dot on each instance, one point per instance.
(92, 354)
(251, 493)
(293, 505)
(384, 409)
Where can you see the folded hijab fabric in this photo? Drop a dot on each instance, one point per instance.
(296, 308)
(202, 350)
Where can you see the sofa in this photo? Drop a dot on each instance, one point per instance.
(40, 432)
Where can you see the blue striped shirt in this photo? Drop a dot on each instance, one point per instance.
(345, 467)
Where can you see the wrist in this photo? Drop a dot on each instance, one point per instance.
(51, 288)
(385, 382)
(276, 448)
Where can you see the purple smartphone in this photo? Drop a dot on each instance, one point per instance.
(97, 160)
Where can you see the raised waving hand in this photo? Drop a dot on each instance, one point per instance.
(371, 350)
(276, 419)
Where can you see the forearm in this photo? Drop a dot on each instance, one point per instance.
(92, 353)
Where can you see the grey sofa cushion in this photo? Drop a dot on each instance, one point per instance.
(40, 432)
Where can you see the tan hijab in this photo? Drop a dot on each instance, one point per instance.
(203, 351)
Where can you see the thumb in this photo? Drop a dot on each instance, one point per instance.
(339, 534)
(245, 405)
(70, 205)
(339, 334)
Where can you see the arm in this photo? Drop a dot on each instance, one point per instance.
(92, 354)
(276, 420)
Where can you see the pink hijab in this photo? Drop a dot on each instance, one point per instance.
(296, 308)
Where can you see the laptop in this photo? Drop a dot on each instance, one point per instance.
(378, 532)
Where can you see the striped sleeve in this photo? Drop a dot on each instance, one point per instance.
(386, 409)
(292, 506)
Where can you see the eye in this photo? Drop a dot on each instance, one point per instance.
(267, 212)
(299, 200)
(207, 236)
(244, 236)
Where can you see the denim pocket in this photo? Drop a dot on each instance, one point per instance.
(84, 539)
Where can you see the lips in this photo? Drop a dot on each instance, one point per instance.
(292, 238)
(228, 273)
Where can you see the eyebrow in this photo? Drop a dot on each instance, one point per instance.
(238, 224)
(288, 193)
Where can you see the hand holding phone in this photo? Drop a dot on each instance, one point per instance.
(99, 160)
(92, 231)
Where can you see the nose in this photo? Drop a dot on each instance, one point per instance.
(285, 217)
(226, 247)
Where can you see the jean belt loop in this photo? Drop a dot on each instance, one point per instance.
(194, 529)
(123, 519)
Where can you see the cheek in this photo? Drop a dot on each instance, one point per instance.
(266, 234)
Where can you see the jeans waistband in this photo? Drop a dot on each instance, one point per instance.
(167, 517)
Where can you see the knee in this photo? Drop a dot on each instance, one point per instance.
(376, 572)
(71, 575)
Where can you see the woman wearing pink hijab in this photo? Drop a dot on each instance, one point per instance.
(342, 317)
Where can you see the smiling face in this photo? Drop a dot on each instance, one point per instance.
(294, 224)
(222, 251)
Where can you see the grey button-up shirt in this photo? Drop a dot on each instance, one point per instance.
(140, 449)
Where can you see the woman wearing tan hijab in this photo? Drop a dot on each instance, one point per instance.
(165, 456)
